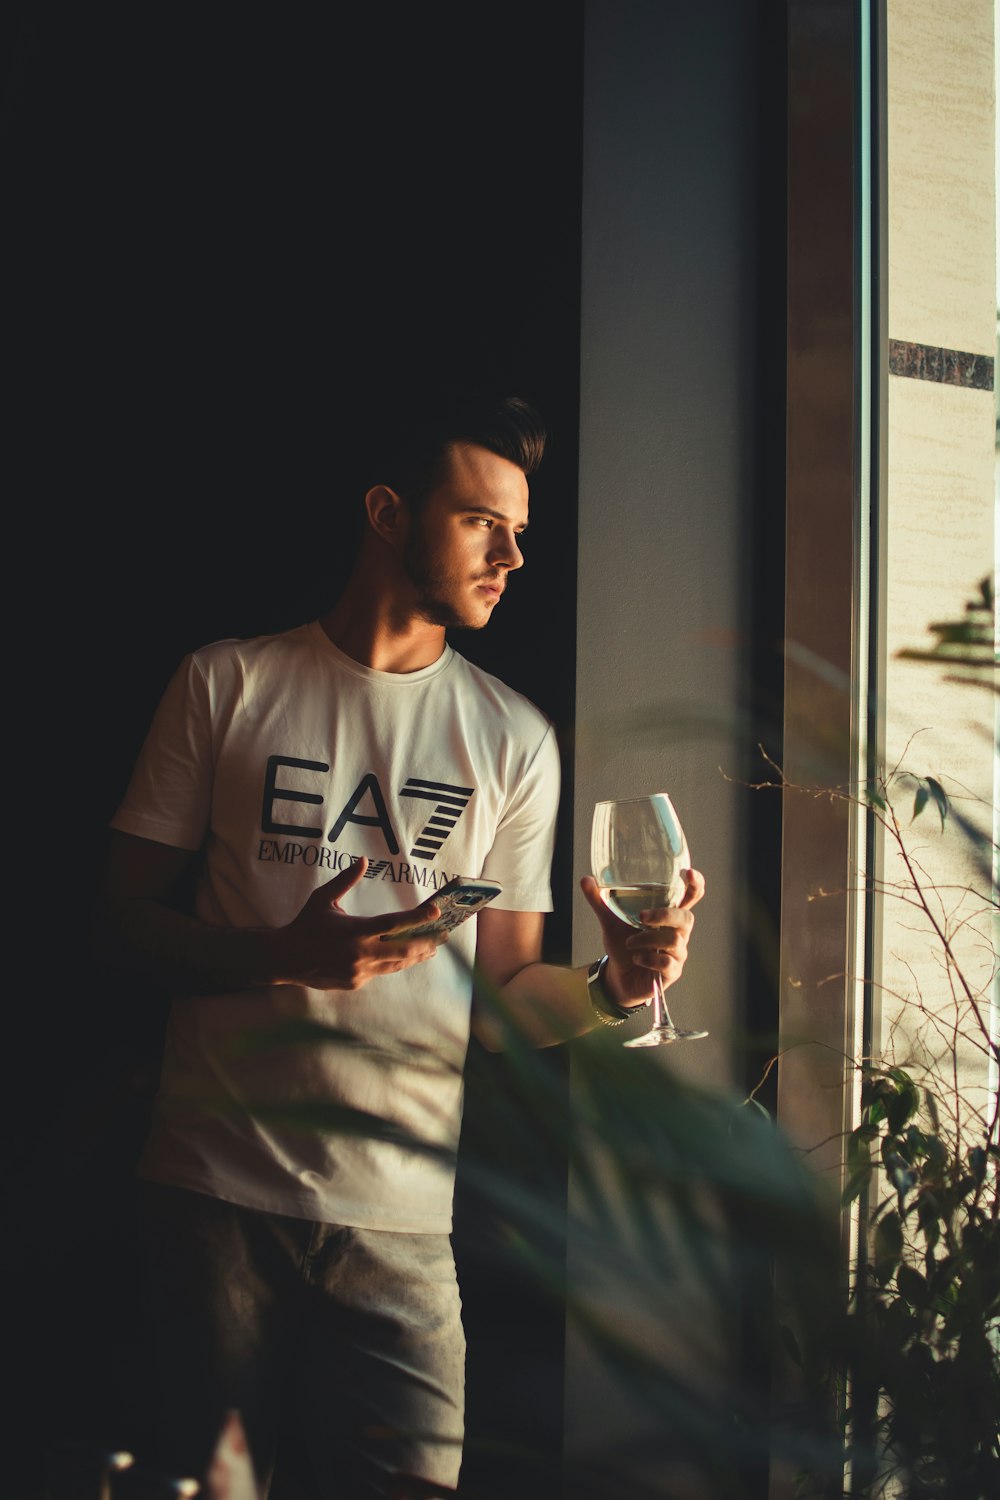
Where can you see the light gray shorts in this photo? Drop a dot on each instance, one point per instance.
(341, 1348)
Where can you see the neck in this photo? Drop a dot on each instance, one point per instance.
(376, 630)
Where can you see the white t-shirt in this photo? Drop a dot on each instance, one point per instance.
(283, 760)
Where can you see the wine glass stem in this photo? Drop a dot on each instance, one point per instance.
(660, 1016)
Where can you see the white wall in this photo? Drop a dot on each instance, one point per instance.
(666, 444)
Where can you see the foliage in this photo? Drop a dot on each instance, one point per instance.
(688, 1197)
(684, 1198)
(914, 1371)
(926, 1311)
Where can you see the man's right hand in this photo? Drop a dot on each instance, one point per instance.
(326, 948)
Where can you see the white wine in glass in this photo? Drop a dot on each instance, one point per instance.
(637, 853)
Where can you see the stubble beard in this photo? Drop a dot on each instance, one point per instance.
(433, 585)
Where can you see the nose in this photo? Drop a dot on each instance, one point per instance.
(504, 551)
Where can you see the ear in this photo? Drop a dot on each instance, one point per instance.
(388, 514)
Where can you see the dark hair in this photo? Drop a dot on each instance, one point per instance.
(409, 447)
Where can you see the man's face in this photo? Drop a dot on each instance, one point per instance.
(463, 543)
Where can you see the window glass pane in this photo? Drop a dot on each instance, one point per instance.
(934, 995)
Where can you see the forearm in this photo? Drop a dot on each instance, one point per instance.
(542, 1004)
(145, 927)
(184, 953)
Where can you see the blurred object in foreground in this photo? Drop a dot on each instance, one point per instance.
(82, 1471)
(230, 1474)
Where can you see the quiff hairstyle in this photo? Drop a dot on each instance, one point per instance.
(410, 450)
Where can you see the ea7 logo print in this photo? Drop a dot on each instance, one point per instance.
(365, 806)
(450, 803)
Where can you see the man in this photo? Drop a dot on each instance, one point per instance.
(327, 781)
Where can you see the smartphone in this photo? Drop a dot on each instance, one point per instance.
(458, 899)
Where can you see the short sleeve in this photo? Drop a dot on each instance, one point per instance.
(521, 856)
(169, 795)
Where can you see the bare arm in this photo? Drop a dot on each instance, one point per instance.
(323, 946)
(547, 1003)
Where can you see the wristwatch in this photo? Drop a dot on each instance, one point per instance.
(605, 1006)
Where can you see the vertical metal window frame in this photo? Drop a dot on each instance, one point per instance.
(833, 449)
(834, 670)
(994, 1068)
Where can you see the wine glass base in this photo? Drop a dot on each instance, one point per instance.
(660, 1035)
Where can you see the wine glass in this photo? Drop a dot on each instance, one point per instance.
(637, 853)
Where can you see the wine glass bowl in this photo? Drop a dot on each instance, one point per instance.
(638, 852)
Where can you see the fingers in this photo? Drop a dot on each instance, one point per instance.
(404, 957)
(645, 945)
(399, 921)
(343, 881)
(665, 929)
(386, 954)
(669, 966)
(592, 892)
(613, 929)
(662, 945)
(662, 949)
(658, 917)
(669, 969)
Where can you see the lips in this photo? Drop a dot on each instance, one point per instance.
(491, 586)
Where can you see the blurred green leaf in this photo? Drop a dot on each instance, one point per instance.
(937, 791)
(927, 1218)
(937, 1155)
(900, 1174)
(911, 1285)
(900, 1109)
(888, 1245)
(856, 1184)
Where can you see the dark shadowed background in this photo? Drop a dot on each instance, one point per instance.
(228, 230)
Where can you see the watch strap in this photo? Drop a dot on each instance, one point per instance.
(603, 1003)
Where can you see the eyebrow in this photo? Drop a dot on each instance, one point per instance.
(497, 515)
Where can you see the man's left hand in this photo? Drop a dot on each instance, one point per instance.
(660, 945)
